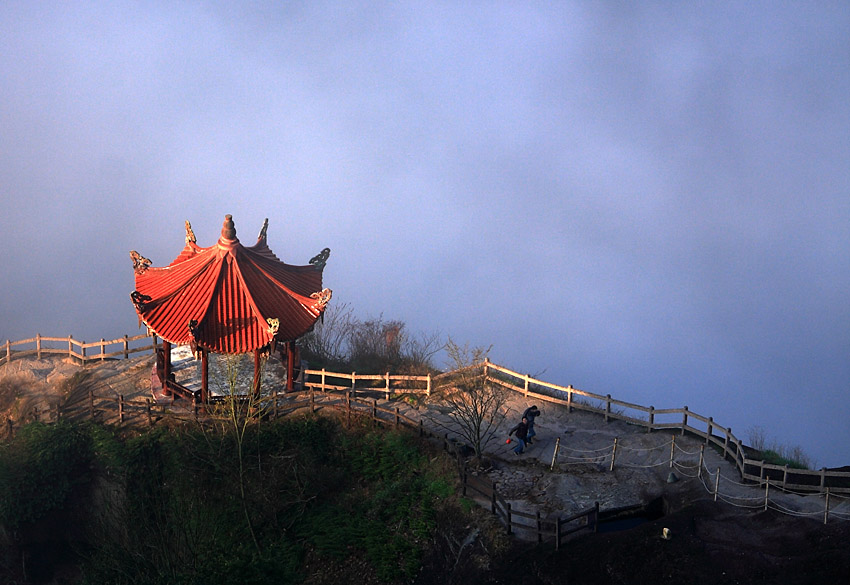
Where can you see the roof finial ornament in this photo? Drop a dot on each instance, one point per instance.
(190, 235)
(265, 227)
(320, 259)
(140, 263)
(228, 230)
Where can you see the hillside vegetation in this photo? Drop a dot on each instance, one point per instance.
(320, 504)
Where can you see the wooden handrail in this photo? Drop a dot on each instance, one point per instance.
(611, 408)
(76, 349)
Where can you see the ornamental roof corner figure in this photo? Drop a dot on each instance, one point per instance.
(229, 298)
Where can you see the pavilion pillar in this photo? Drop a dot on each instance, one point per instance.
(290, 366)
(166, 366)
(205, 375)
(256, 372)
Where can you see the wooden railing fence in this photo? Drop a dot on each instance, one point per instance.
(42, 345)
(387, 384)
(121, 411)
(653, 419)
(545, 529)
(679, 419)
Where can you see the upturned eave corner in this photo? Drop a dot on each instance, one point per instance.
(319, 260)
(140, 263)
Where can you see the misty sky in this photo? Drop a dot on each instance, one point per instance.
(650, 200)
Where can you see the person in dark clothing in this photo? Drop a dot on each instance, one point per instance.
(530, 414)
(521, 430)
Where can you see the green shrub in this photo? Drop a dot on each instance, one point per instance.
(39, 470)
(775, 458)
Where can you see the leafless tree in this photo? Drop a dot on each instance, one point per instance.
(475, 407)
(375, 345)
(327, 343)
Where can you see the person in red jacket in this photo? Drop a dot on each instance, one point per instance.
(521, 430)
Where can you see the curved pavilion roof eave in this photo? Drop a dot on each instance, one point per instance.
(236, 323)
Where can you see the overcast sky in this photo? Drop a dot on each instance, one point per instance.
(650, 200)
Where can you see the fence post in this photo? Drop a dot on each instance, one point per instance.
(766, 491)
(348, 408)
(70, 351)
(120, 408)
(526, 385)
(126, 347)
(312, 400)
(684, 419)
(826, 507)
(397, 419)
(323, 380)
(716, 484)
(557, 533)
(387, 391)
(613, 454)
(38, 345)
(785, 477)
(701, 460)
(607, 406)
(8, 351)
(726, 443)
(102, 349)
(374, 411)
(569, 398)
(651, 419)
(508, 519)
(428, 387)
(539, 527)
(672, 448)
(822, 477)
(739, 452)
(596, 517)
(710, 425)
(555, 453)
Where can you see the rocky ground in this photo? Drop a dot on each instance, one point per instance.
(731, 540)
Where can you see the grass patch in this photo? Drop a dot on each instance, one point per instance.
(776, 454)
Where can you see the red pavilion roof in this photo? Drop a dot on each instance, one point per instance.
(229, 298)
